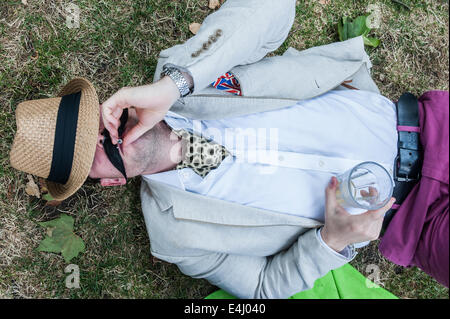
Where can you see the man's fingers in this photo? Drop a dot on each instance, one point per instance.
(112, 109)
(112, 129)
(132, 135)
(111, 115)
(330, 195)
(379, 213)
(117, 113)
(373, 191)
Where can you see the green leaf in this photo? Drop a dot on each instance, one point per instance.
(373, 42)
(47, 197)
(64, 221)
(341, 33)
(348, 29)
(342, 29)
(50, 245)
(72, 248)
(357, 27)
(61, 238)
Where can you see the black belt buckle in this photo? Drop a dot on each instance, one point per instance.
(406, 176)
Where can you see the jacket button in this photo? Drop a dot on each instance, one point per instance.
(206, 45)
(218, 32)
(196, 53)
(212, 38)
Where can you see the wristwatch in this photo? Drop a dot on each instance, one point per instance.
(179, 80)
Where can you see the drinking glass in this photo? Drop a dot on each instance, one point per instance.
(368, 185)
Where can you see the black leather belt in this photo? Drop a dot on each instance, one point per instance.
(408, 164)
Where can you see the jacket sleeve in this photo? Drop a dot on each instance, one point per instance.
(308, 73)
(239, 33)
(278, 276)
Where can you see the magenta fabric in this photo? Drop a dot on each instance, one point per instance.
(418, 234)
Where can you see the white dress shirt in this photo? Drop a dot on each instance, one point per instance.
(309, 142)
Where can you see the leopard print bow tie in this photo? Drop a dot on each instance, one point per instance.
(200, 155)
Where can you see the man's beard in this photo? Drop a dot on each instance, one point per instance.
(150, 149)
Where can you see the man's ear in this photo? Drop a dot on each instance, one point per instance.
(113, 181)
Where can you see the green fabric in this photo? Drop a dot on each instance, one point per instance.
(342, 283)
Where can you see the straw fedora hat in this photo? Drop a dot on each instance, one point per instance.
(56, 137)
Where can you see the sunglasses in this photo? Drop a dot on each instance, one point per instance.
(111, 150)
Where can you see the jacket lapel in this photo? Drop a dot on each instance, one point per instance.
(190, 206)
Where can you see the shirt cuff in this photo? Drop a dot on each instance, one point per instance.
(347, 252)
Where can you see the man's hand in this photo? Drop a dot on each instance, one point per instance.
(151, 102)
(342, 228)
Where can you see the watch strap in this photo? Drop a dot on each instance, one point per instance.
(178, 79)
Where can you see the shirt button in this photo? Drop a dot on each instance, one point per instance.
(321, 163)
(281, 158)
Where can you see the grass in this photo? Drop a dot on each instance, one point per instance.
(117, 45)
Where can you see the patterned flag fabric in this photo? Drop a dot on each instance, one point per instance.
(228, 83)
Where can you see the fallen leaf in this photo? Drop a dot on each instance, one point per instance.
(214, 4)
(61, 238)
(194, 27)
(49, 231)
(47, 197)
(31, 188)
(25, 2)
(324, 1)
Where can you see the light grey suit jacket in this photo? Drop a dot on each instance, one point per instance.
(249, 252)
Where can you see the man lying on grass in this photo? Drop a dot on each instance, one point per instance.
(238, 155)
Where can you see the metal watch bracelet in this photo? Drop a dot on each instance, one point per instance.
(179, 80)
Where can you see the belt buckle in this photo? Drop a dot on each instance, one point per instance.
(403, 178)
